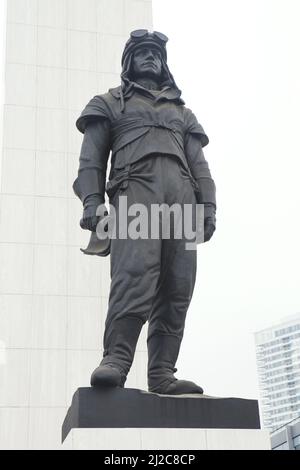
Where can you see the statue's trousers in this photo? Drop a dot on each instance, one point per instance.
(153, 278)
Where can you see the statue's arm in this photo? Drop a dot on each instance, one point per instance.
(195, 139)
(200, 170)
(93, 160)
(89, 185)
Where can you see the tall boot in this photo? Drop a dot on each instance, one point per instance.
(120, 344)
(163, 351)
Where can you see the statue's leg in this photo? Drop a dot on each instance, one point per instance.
(135, 270)
(168, 314)
(166, 323)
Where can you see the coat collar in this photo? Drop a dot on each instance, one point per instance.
(169, 93)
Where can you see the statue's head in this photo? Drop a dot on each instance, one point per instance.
(146, 53)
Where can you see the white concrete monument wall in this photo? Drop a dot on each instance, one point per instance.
(167, 439)
(59, 54)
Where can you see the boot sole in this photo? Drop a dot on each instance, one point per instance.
(180, 387)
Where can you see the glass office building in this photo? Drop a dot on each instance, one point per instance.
(278, 362)
(287, 437)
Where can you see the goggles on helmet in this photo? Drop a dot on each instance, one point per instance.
(142, 33)
(144, 37)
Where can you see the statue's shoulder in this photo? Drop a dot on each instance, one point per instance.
(193, 126)
(109, 98)
(106, 102)
(188, 113)
(189, 117)
(100, 106)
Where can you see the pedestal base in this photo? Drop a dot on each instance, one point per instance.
(97, 418)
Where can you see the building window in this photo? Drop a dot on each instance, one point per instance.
(296, 441)
(283, 446)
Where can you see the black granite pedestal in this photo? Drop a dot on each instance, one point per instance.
(131, 408)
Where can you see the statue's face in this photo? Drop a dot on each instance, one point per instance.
(147, 63)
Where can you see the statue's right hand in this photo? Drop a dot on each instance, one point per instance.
(89, 223)
(89, 219)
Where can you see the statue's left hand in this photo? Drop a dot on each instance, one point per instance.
(209, 221)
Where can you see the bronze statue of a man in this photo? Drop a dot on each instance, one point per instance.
(157, 158)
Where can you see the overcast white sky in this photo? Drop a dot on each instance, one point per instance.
(237, 63)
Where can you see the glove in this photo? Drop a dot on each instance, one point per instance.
(209, 221)
(89, 219)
